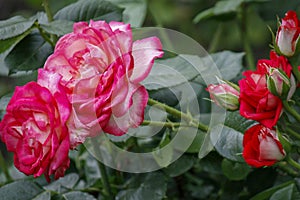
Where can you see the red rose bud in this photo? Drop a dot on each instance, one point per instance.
(288, 34)
(224, 95)
(262, 146)
(278, 83)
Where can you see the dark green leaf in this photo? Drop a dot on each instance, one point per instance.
(229, 143)
(75, 195)
(235, 171)
(135, 11)
(170, 72)
(58, 27)
(237, 122)
(30, 54)
(150, 186)
(20, 190)
(289, 192)
(85, 10)
(8, 44)
(267, 193)
(180, 166)
(197, 143)
(15, 26)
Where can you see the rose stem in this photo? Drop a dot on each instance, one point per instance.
(167, 124)
(179, 114)
(283, 166)
(293, 133)
(103, 172)
(289, 109)
(49, 17)
(105, 181)
(293, 162)
(4, 168)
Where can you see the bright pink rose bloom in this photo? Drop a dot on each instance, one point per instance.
(102, 68)
(256, 101)
(34, 129)
(224, 96)
(288, 34)
(262, 146)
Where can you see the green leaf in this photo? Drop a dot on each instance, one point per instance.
(46, 195)
(135, 11)
(85, 10)
(237, 122)
(150, 186)
(8, 44)
(20, 190)
(235, 171)
(170, 72)
(30, 54)
(267, 193)
(197, 142)
(58, 27)
(75, 195)
(289, 192)
(91, 169)
(62, 184)
(229, 64)
(3, 104)
(15, 26)
(180, 166)
(229, 143)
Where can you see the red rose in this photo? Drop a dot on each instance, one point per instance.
(256, 101)
(262, 146)
(288, 34)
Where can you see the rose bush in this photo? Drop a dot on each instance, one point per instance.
(34, 128)
(102, 68)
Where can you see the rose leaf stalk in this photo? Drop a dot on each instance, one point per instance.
(179, 114)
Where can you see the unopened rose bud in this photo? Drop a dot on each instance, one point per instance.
(288, 34)
(224, 95)
(278, 83)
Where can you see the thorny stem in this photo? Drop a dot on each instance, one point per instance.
(176, 113)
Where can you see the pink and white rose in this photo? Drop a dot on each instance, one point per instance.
(102, 68)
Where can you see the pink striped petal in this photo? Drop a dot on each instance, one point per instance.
(144, 52)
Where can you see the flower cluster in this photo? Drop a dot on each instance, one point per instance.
(264, 94)
(90, 84)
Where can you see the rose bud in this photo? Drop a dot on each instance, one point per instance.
(262, 146)
(288, 34)
(278, 83)
(224, 95)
